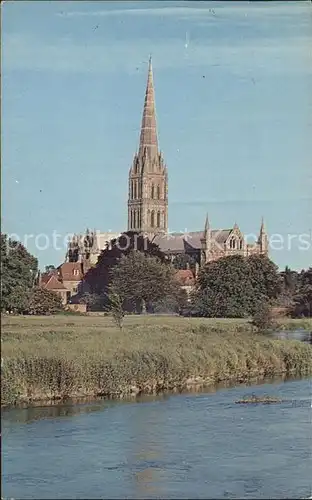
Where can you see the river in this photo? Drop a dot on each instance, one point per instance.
(191, 445)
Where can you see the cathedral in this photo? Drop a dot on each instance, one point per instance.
(148, 209)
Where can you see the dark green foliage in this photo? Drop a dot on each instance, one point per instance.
(43, 302)
(93, 301)
(265, 279)
(99, 277)
(303, 294)
(262, 318)
(116, 307)
(235, 286)
(142, 280)
(49, 268)
(297, 292)
(174, 303)
(18, 275)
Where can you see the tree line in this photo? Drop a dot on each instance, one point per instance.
(133, 275)
(20, 291)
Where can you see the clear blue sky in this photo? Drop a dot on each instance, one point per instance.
(233, 85)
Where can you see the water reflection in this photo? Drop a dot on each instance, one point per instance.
(300, 334)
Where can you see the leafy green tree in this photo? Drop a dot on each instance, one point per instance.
(174, 303)
(18, 275)
(99, 277)
(93, 301)
(265, 279)
(290, 281)
(116, 307)
(303, 296)
(262, 318)
(50, 268)
(43, 302)
(235, 286)
(141, 279)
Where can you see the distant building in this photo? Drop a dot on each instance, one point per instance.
(65, 280)
(148, 215)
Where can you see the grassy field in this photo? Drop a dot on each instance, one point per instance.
(73, 356)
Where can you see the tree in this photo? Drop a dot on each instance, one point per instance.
(265, 279)
(303, 295)
(50, 268)
(99, 277)
(142, 280)
(116, 307)
(262, 318)
(290, 280)
(18, 275)
(93, 301)
(235, 286)
(42, 301)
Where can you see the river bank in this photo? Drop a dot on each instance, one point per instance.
(60, 357)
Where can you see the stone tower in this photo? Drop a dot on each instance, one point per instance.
(148, 178)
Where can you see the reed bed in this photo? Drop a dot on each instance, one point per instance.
(60, 357)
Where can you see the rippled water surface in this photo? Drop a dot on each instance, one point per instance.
(181, 446)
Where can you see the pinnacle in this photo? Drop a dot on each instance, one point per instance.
(148, 137)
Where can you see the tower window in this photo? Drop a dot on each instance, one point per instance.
(152, 218)
(135, 190)
(158, 192)
(158, 219)
(153, 191)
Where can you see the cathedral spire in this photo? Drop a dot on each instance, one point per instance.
(207, 224)
(148, 137)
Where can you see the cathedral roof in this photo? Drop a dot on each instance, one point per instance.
(181, 242)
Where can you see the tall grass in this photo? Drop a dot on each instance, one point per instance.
(60, 357)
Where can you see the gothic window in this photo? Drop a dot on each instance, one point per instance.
(158, 192)
(135, 219)
(135, 190)
(232, 243)
(158, 219)
(153, 191)
(152, 218)
(131, 190)
(241, 244)
(130, 219)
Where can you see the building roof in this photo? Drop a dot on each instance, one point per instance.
(70, 271)
(53, 284)
(181, 242)
(185, 277)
